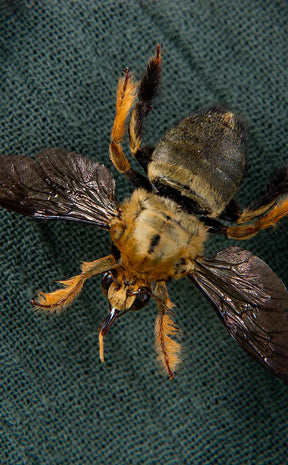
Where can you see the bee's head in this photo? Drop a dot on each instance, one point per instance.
(124, 295)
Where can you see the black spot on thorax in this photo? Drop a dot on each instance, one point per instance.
(154, 242)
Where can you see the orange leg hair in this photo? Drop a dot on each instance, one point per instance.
(168, 349)
(263, 220)
(126, 95)
(72, 286)
(146, 90)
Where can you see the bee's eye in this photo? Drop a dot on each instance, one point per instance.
(106, 282)
(140, 301)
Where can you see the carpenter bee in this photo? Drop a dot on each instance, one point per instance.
(159, 232)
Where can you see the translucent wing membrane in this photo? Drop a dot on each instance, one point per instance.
(251, 301)
(59, 184)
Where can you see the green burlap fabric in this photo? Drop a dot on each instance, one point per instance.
(60, 61)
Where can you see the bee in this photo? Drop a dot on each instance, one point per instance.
(158, 234)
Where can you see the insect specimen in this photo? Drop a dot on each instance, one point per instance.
(158, 233)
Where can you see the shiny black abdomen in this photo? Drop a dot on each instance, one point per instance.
(201, 160)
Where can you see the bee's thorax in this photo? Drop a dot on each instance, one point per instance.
(156, 239)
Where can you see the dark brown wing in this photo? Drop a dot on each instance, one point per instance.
(59, 184)
(251, 301)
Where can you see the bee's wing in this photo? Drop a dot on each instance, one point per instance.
(251, 301)
(59, 184)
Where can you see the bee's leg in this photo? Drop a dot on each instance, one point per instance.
(232, 211)
(72, 286)
(168, 349)
(126, 95)
(147, 90)
(214, 226)
(262, 218)
(265, 211)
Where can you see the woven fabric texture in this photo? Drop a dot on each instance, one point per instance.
(59, 65)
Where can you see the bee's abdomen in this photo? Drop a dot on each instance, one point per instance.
(201, 161)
